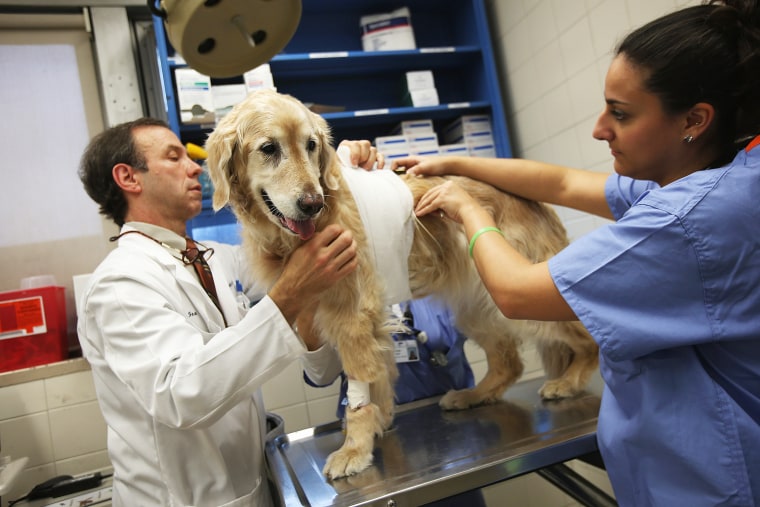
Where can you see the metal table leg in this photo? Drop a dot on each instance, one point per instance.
(576, 486)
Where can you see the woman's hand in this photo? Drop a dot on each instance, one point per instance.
(363, 154)
(424, 166)
(448, 198)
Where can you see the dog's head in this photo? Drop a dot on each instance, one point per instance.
(268, 157)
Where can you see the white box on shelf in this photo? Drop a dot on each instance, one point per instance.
(422, 98)
(454, 149)
(422, 142)
(419, 80)
(391, 31)
(258, 77)
(467, 124)
(196, 103)
(392, 155)
(425, 152)
(392, 144)
(413, 127)
(226, 97)
(482, 150)
(473, 138)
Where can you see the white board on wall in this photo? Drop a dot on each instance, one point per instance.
(43, 131)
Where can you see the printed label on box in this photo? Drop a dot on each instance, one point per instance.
(196, 103)
(22, 317)
(387, 31)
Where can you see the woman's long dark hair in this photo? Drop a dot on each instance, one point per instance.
(707, 53)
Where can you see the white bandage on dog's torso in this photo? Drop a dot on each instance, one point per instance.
(357, 394)
(385, 205)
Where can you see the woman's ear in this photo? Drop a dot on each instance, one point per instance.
(698, 119)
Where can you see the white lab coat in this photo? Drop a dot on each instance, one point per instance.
(180, 394)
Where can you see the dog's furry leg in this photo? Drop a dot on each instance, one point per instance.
(382, 393)
(364, 343)
(504, 368)
(362, 425)
(568, 364)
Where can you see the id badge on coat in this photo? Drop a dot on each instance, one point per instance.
(406, 350)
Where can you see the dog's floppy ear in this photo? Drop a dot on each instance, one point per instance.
(221, 146)
(327, 169)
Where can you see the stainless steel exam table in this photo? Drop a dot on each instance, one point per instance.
(430, 454)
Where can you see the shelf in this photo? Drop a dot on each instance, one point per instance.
(327, 66)
(382, 114)
(399, 113)
(320, 63)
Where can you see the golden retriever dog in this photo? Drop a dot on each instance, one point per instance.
(272, 161)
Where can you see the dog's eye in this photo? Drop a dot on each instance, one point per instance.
(311, 145)
(268, 148)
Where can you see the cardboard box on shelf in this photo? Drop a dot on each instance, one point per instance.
(396, 143)
(421, 98)
(419, 80)
(425, 152)
(33, 327)
(196, 102)
(226, 97)
(413, 127)
(422, 142)
(468, 126)
(390, 156)
(482, 150)
(391, 31)
(454, 149)
(258, 77)
(474, 138)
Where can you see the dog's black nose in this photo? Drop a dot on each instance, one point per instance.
(311, 204)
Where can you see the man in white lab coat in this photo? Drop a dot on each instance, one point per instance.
(177, 377)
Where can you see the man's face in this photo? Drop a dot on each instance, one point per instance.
(170, 186)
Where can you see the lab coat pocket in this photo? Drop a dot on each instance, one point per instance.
(258, 497)
(205, 328)
(203, 323)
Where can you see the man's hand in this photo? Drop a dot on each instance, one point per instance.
(313, 267)
(305, 326)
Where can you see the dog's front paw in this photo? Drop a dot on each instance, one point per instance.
(345, 462)
(459, 400)
(559, 388)
(355, 454)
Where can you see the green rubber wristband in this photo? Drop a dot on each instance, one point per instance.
(481, 232)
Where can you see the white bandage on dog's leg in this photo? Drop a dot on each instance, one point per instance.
(358, 394)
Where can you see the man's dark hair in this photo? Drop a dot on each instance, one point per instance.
(115, 145)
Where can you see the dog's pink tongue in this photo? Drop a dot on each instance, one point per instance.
(304, 228)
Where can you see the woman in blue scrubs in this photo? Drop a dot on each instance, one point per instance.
(671, 289)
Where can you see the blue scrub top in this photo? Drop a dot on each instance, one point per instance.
(671, 292)
(442, 364)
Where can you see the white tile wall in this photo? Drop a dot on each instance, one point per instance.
(56, 423)
(553, 58)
